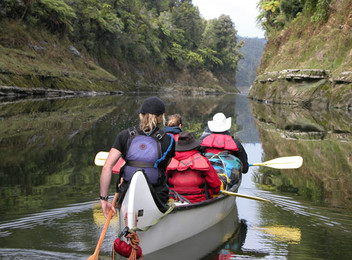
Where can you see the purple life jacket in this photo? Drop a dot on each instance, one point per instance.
(142, 153)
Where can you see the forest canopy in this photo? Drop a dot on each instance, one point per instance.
(164, 33)
(275, 15)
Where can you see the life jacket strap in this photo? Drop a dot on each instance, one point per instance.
(140, 164)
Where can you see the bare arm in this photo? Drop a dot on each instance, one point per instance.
(105, 179)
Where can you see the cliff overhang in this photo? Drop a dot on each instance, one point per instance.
(310, 88)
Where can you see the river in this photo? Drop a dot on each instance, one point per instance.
(49, 206)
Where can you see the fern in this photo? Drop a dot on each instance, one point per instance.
(321, 13)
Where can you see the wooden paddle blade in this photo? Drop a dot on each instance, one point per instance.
(95, 255)
(289, 162)
(100, 158)
(243, 196)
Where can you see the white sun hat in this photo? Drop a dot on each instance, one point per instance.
(220, 123)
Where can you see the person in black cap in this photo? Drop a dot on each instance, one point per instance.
(142, 147)
(189, 173)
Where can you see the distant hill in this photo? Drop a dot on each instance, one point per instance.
(252, 51)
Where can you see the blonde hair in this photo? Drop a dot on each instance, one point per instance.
(149, 121)
(174, 120)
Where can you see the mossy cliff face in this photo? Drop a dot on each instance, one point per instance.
(309, 63)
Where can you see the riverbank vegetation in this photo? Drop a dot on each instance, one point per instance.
(306, 36)
(115, 45)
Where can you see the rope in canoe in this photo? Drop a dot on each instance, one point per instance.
(170, 209)
(133, 250)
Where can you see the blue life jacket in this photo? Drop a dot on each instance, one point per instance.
(143, 151)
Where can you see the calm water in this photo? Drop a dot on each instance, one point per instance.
(49, 207)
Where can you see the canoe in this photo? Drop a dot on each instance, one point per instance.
(159, 227)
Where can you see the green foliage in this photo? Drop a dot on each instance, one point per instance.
(150, 32)
(158, 5)
(291, 8)
(13, 9)
(321, 13)
(268, 16)
(103, 17)
(176, 53)
(309, 7)
(194, 60)
(187, 18)
(220, 36)
(277, 14)
(55, 14)
(209, 56)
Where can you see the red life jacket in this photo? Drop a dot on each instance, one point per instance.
(187, 177)
(117, 167)
(217, 143)
(176, 137)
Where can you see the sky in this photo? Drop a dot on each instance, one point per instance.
(242, 12)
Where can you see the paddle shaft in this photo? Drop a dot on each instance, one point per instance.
(95, 256)
(243, 196)
(290, 162)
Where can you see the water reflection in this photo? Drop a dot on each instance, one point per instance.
(48, 146)
(48, 180)
(322, 138)
(49, 185)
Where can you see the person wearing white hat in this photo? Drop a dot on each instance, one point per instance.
(217, 138)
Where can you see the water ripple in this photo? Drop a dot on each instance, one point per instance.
(41, 217)
(19, 253)
(319, 215)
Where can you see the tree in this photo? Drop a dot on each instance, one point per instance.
(55, 14)
(268, 16)
(291, 8)
(220, 36)
(187, 18)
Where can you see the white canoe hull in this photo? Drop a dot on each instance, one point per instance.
(183, 222)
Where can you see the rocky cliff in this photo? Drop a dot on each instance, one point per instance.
(309, 63)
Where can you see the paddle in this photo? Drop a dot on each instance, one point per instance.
(243, 196)
(95, 255)
(290, 162)
(100, 158)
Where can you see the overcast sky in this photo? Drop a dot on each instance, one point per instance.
(242, 12)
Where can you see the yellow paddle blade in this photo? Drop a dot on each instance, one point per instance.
(290, 162)
(100, 158)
